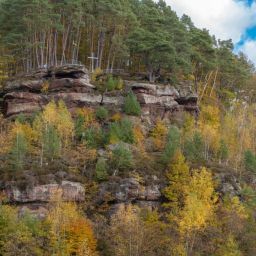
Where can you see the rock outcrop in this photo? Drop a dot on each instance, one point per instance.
(128, 190)
(29, 93)
(69, 191)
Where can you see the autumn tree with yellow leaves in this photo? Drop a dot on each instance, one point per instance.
(54, 128)
(70, 232)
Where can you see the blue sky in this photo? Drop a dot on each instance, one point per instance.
(235, 19)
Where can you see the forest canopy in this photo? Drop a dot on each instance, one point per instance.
(129, 35)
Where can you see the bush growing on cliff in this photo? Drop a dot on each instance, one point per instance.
(194, 148)
(101, 114)
(122, 159)
(111, 84)
(121, 131)
(159, 134)
(119, 83)
(222, 151)
(94, 137)
(101, 169)
(131, 105)
(79, 127)
(18, 151)
(173, 144)
(250, 161)
(52, 143)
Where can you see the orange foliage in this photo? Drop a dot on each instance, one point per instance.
(88, 114)
(138, 135)
(70, 232)
(159, 134)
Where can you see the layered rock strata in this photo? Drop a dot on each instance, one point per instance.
(30, 93)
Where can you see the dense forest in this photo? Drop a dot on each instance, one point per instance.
(192, 158)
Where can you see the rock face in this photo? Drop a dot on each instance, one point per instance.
(165, 101)
(70, 191)
(29, 93)
(228, 185)
(128, 190)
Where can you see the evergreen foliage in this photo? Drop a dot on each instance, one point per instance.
(250, 161)
(101, 114)
(194, 148)
(172, 145)
(51, 142)
(121, 131)
(101, 169)
(19, 151)
(131, 105)
(94, 137)
(122, 158)
(223, 151)
(111, 84)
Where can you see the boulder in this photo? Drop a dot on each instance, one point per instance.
(228, 184)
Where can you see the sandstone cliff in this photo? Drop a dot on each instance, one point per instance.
(30, 93)
(71, 83)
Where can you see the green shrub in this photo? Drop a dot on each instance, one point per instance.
(111, 84)
(122, 158)
(79, 127)
(250, 161)
(21, 118)
(194, 148)
(101, 114)
(52, 142)
(131, 105)
(121, 131)
(101, 169)
(19, 151)
(222, 151)
(172, 145)
(94, 137)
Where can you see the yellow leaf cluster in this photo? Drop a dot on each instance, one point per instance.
(25, 130)
(58, 116)
(199, 202)
(116, 117)
(45, 87)
(138, 134)
(97, 72)
(71, 233)
(88, 115)
(159, 133)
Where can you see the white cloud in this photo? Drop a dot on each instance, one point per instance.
(249, 48)
(224, 18)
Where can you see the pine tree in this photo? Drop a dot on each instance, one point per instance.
(173, 144)
(131, 105)
(19, 150)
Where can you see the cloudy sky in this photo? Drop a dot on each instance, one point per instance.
(226, 19)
